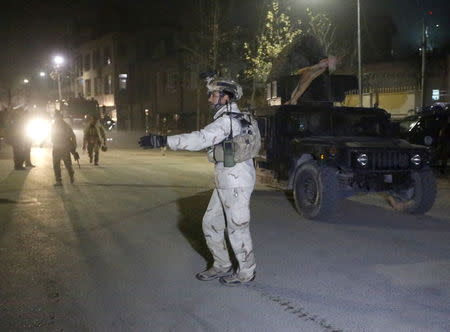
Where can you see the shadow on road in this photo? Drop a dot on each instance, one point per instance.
(15, 180)
(361, 214)
(190, 224)
(351, 212)
(136, 185)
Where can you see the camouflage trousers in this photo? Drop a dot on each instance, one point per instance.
(229, 210)
(93, 149)
(63, 155)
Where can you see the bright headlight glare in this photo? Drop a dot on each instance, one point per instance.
(38, 130)
(362, 159)
(416, 160)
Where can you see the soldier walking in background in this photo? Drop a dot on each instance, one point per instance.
(28, 142)
(64, 142)
(94, 139)
(15, 136)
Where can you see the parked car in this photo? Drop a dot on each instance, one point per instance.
(423, 128)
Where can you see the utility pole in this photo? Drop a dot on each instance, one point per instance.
(424, 52)
(360, 92)
(215, 34)
(9, 99)
(59, 86)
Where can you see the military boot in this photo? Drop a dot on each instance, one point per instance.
(214, 273)
(236, 280)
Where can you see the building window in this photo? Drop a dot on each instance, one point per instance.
(97, 86)
(87, 62)
(80, 87)
(79, 66)
(96, 59)
(122, 49)
(88, 87)
(107, 60)
(435, 95)
(108, 85)
(148, 49)
(172, 81)
(123, 81)
(191, 80)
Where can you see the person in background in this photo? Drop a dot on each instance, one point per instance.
(64, 142)
(27, 142)
(15, 136)
(94, 139)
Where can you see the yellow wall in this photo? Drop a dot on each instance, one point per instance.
(396, 103)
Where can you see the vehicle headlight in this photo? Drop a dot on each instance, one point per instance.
(363, 159)
(416, 160)
(38, 129)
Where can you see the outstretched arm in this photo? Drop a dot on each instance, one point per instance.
(212, 134)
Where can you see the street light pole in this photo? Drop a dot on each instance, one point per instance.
(424, 51)
(58, 61)
(360, 92)
(58, 75)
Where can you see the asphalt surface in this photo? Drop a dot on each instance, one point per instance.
(118, 251)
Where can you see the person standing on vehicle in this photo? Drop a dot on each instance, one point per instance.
(64, 142)
(229, 207)
(94, 139)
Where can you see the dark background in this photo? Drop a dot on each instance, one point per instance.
(31, 31)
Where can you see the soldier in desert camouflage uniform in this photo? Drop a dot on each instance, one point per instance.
(229, 207)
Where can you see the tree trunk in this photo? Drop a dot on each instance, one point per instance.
(252, 99)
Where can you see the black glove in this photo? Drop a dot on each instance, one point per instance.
(152, 141)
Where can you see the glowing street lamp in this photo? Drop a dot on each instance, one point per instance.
(42, 74)
(26, 81)
(58, 60)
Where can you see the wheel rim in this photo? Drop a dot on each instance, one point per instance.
(308, 191)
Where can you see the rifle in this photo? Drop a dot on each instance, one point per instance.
(76, 156)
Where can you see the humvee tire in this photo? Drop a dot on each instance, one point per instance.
(316, 190)
(421, 196)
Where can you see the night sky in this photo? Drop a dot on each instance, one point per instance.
(32, 31)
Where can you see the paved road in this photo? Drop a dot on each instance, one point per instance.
(117, 251)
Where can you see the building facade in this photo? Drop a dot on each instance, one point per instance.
(396, 86)
(143, 81)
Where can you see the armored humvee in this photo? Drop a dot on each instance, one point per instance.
(325, 153)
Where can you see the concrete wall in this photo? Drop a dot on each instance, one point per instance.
(398, 104)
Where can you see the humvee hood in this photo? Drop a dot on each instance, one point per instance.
(363, 142)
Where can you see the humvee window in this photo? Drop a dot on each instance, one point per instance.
(310, 124)
(354, 124)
